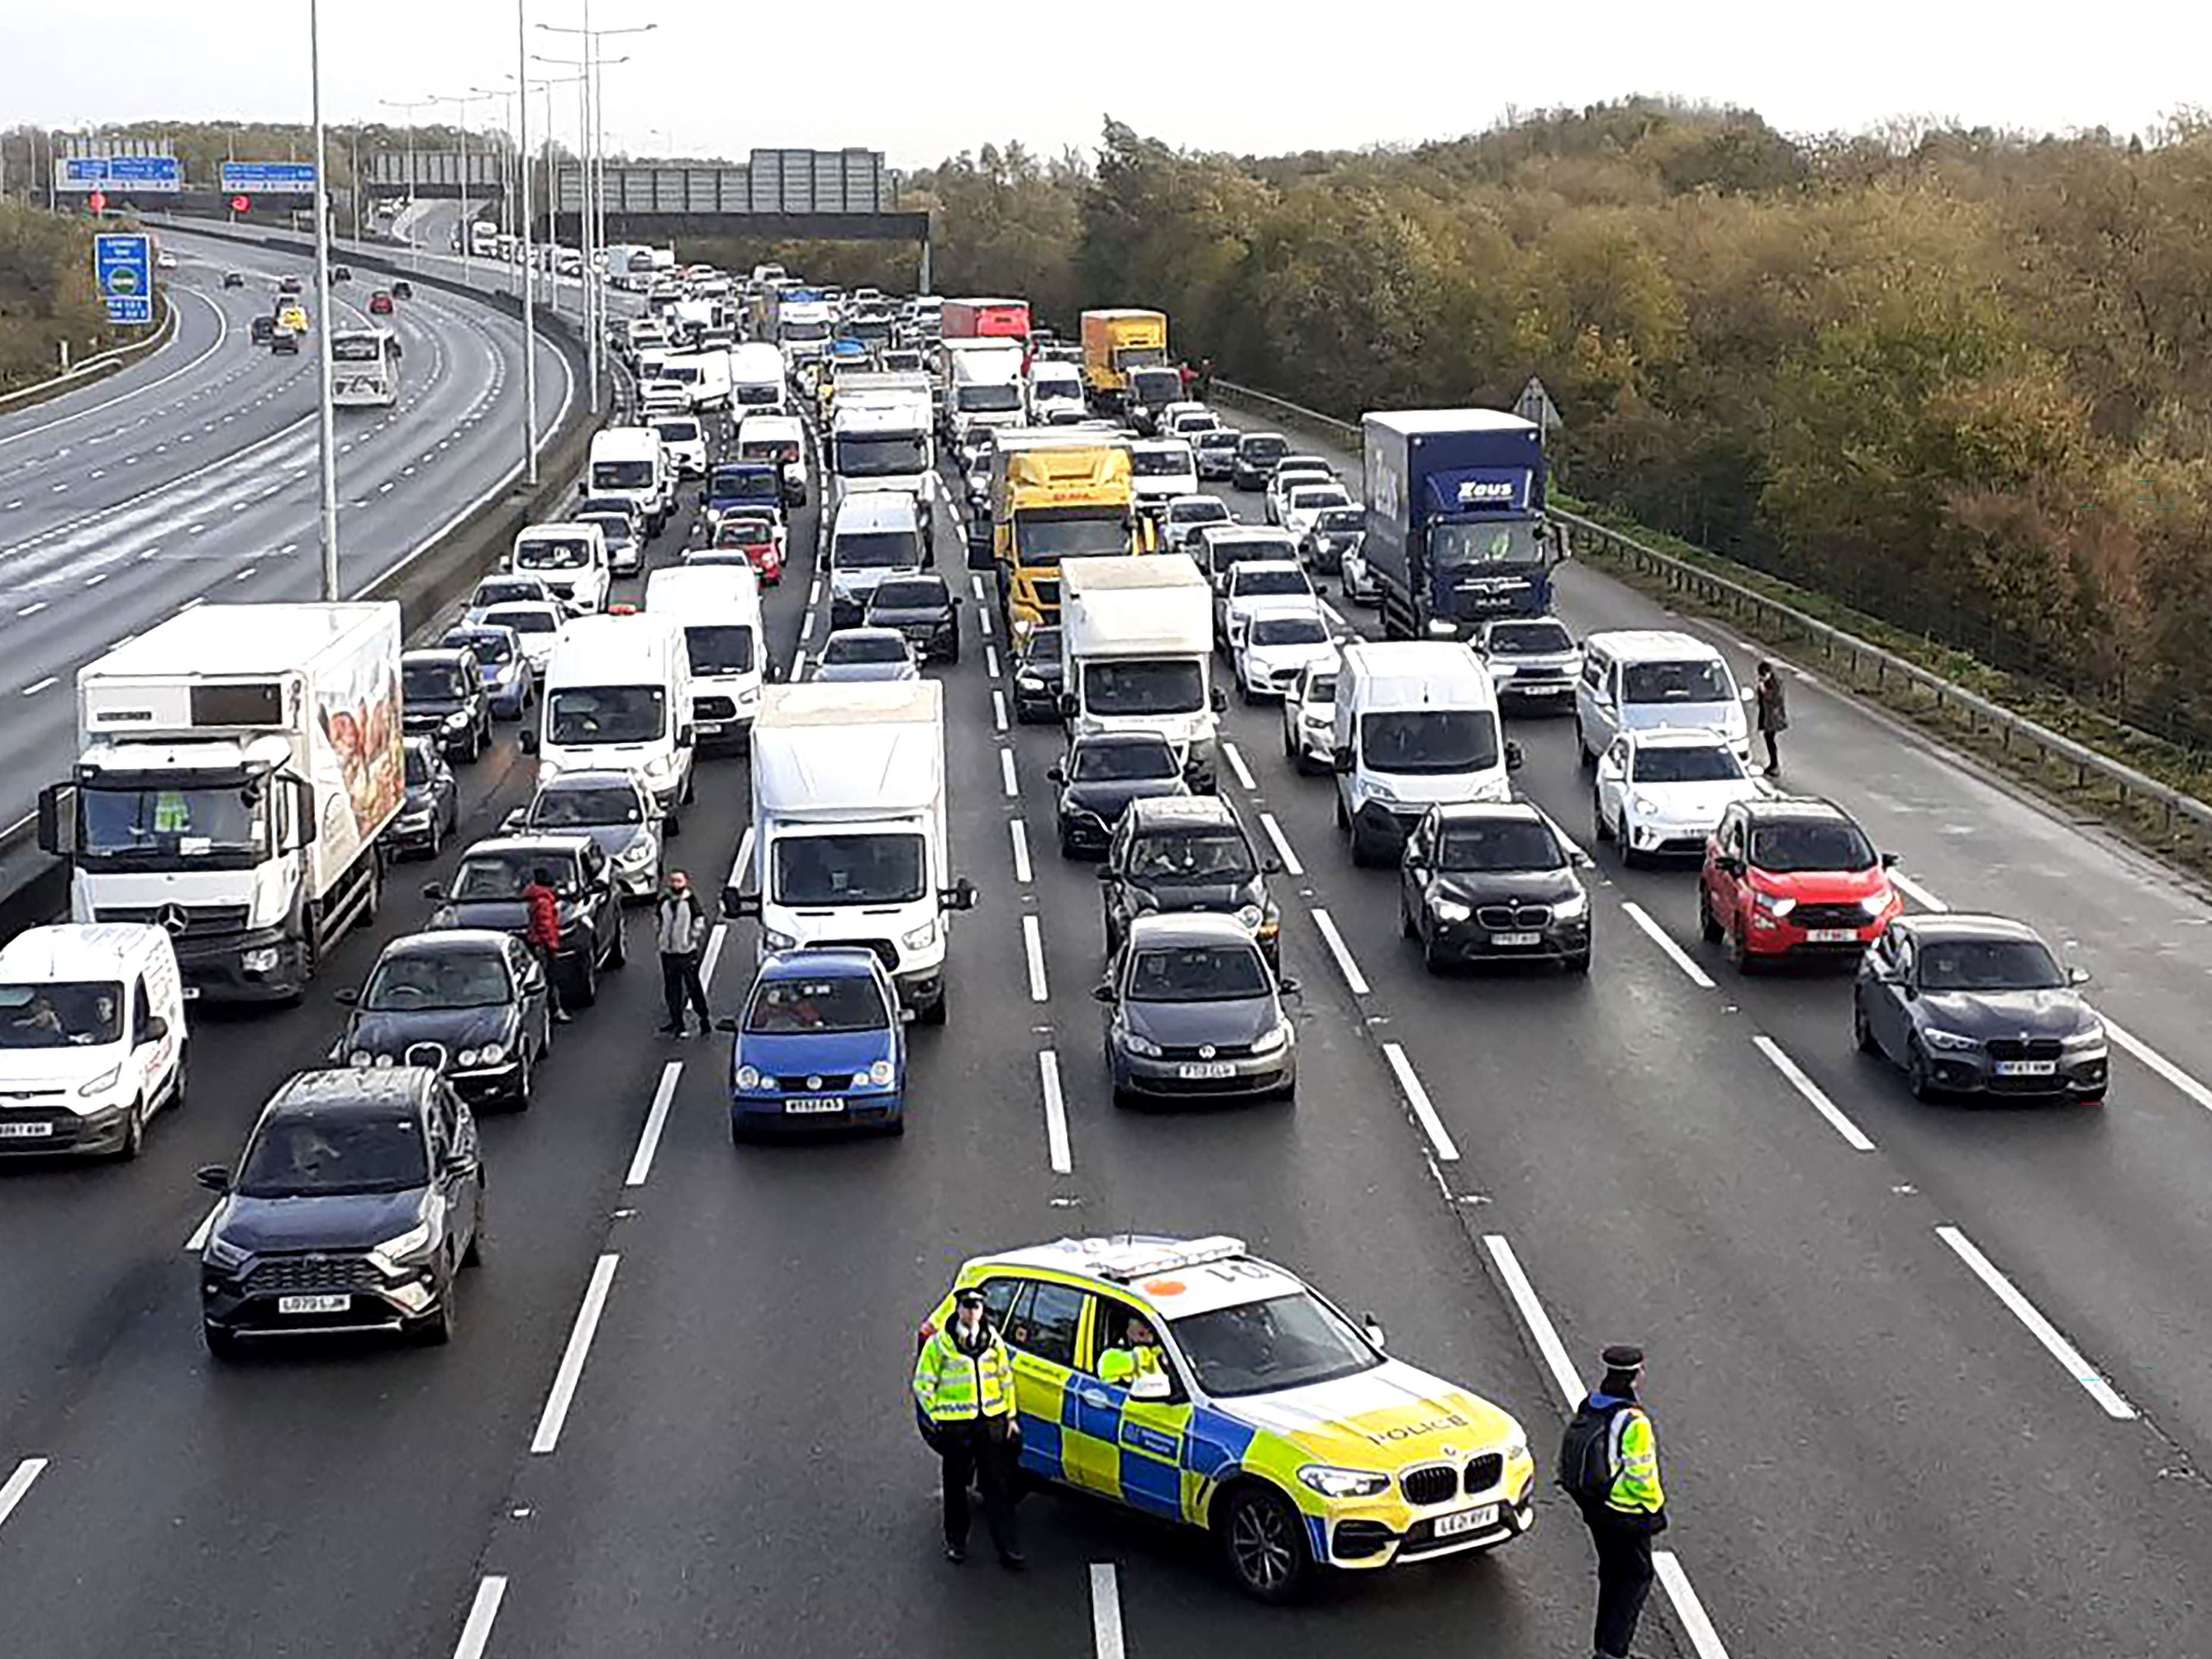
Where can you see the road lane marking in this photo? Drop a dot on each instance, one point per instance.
(1020, 833)
(243, 574)
(1416, 1096)
(983, 619)
(991, 661)
(1913, 890)
(476, 1633)
(1006, 773)
(1688, 1608)
(1341, 951)
(33, 690)
(1815, 1094)
(976, 582)
(2157, 1062)
(2093, 1382)
(656, 1120)
(18, 1485)
(798, 664)
(94, 581)
(814, 594)
(1106, 1613)
(33, 609)
(1033, 949)
(1234, 756)
(1282, 846)
(1055, 1113)
(714, 955)
(199, 1238)
(998, 708)
(1675, 953)
(1564, 1376)
(742, 864)
(571, 1371)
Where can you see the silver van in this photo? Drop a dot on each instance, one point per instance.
(1638, 678)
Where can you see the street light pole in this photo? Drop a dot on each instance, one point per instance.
(327, 426)
(529, 257)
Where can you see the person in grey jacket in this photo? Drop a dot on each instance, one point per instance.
(680, 929)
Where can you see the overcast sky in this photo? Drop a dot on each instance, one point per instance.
(919, 81)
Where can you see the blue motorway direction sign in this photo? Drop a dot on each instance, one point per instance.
(269, 178)
(123, 267)
(145, 172)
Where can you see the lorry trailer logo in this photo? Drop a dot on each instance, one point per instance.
(1476, 492)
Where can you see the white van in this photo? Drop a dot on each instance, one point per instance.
(777, 441)
(878, 533)
(1641, 677)
(570, 557)
(718, 609)
(1165, 468)
(629, 460)
(1056, 394)
(1416, 724)
(617, 697)
(758, 381)
(92, 1037)
(705, 375)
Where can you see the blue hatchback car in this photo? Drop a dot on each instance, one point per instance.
(820, 1045)
(507, 680)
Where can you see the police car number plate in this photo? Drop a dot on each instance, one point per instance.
(2027, 1068)
(312, 1304)
(1205, 1068)
(1451, 1526)
(1503, 939)
(800, 1103)
(26, 1131)
(1832, 935)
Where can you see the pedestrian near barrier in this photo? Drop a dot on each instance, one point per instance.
(1609, 1464)
(1773, 709)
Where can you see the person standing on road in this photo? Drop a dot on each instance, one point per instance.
(1609, 1464)
(963, 1388)
(542, 935)
(1773, 714)
(683, 936)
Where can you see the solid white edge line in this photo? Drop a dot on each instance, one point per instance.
(476, 1633)
(1814, 1094)
(222, 333)
(18, 1485)
(1106, 1639)
(1234, 756)
(2092, 1380)
(1020, 834)
(571, 1371)
(1564, 1376)
(1291, 864)
(1416, 1096)
(1055, 1113)
(1006, 773)
(1341, 951)
(199, 1238)
(1675, 953)
(656, 1119)
(2158, 1062)
(1033, 949)
(1913, 890)
(1687, 1608)
(712, 958)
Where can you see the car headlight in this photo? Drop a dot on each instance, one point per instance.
(1376, 791)
(1029, 683)
(2091, 1037)
(1517, 1448)
(747, 1078)
(775, 941)
(1955, 1041)
(395, 1254)
(1251, 915)
(1440, 627)
(922, 937)
(638, 853)
(881, 1074)
(383, 1061)
(1138, 1044)
(220, 1253)
(358, 1057)
(103, 1083)
(1774, 903)
(491, 1055)
(1874, 903)
(1332, 1482)
(1446, 909)
(1644, 805)
(1268, 1041)
(1572, 908)
(456, 719)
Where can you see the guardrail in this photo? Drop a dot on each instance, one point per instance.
(106, 363)
(1286, 413)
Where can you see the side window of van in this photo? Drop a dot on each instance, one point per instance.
(1594, 666)
(142, 1012)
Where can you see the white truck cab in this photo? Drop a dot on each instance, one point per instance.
(92, 1037)
(1136, 640)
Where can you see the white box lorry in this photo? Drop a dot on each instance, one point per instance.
(235, 767)
(849, 842)
(1136, 641)
(984, 384)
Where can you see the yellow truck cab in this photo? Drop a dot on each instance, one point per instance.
(1115, 342)
(1057, 492)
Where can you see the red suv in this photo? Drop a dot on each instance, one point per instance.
(1792, 877)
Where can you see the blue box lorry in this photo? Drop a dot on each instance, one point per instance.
(1455, 526)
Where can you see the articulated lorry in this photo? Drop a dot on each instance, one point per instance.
(1136, 641)
(235, 767)
(1117, 343)
(1057, 493)
(1455, 526)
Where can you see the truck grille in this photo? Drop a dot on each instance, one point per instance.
(294, 1275)
(1438, 1483)
(825, 1083)
(199, 919)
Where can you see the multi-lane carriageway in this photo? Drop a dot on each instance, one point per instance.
(1930, 1379)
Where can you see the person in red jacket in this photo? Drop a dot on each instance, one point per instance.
(543, 935)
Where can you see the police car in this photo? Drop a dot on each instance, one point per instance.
(1271, 1419)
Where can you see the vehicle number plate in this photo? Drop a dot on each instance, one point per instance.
(1451, 1526)
(814, 1103)
(312, 1304)
(1205, 1068)
(1517, 939)
(26, 1131)
(2027, 1068)
(1540, 688)
(1832, 935)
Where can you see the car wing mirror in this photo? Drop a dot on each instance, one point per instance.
(736, 906)
(2077, 976)
(346, 996)
(1271, 865)
(1372, 1328)
(518, 819)
(1220, 701)
(1340, 760)
(213, 1176)
(1289, 988)
(527, 738)
(726, 1023)
(434, 892)
(1056, 774)
(1068, 704)
(1513, 756)
(1106, 870)
(1104, 992)
(1889, 861)
(156, 1028)
(961, 895)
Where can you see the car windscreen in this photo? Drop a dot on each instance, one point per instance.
(1786, 847)
(1290, 1341)
(719, 647)
(606, 714)
(1499, 844)
(614, 527)
(1041, 646)
(915, 594)
(1220, 438)
(622, 475)
(841, 1003)
(867, 867)
(875, 550)
(311, 1154)
(1263, 449)
(988, 397)
(1341, 520)
(417, 766)
(430, 981)
(743, 483)
(1159, 463)
(553, 553)
(498, 590)
(1227, 555)
(1304, 501)
(1675, 682)
(356, 348)
(1249, 583)
(677, 432)
(1471, 546)
(490, 645)
(889, 456)
(1121, 761)
(1047, 538)
(1211, 855)
(1289, 630)
(61, 1014)
(1198, 973)
(576, 806)
(1679, 763)
(1174, 687)
(492, 877)
(1203, 509)
(1529, 638)
(1429, 740)
(532, 620)
(432, 682)
(1988, 964)
(119, 820)
(850, 647)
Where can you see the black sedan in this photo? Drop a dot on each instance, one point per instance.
(1979, 1005)
(441, 697)
(1186, 853)
(1491, 882)
(925, 609)
(432, 809)
(233, 279)
(402, 288)
(487, 892)
(1039, 674)
(465, 1001)
(1104, 771)
(358, 1201)
(1193, 1011)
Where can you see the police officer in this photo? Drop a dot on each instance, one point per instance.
(1609, 1464)
(1137, 1355)
(964, 1385)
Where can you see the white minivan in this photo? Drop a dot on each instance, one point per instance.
(92, 1037)
(1416, 724)
(570, 557)
(876, 534)
(758, 385)
(631, 461)
(617, 697)
(1637, 678)
(777, 441)
(718, 607)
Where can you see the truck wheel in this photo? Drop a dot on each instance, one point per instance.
(937, 1013)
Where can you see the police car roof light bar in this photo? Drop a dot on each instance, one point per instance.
(1196, 1253)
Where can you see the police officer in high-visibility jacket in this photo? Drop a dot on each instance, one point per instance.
(963, 1384)
(1609, 1464)
(1136, 1355)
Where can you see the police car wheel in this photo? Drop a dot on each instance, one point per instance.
(1263, 1540)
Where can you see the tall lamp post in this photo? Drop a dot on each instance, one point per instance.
(462, 235)
(326, 421)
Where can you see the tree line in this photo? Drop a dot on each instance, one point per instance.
(47, 294)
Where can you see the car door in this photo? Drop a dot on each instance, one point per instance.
(536, 1022)
(1113, 876)
(1132, 1450)
(1894, 963)
(1043, 1323)
(146, 1050)
(460, 1169)
(1587, 692)
(1723, 857)
(606, 908)
(1612, 769)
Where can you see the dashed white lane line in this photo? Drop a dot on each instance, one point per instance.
(991, 661)
(1675, 953)
(998, 708)
(1290, 864)
(1913, 890)
(814, 594)
(1007, 774)
(983, 620)
(476, 1633)
(976, 583)
(1106, 1640)
(247, 573)
(799, 665)
(571, 1371)
(741, 866)
(33, 690)
(95, 581)
(2158, 1062)
(1416, 1096)
(1564, 1376)
(1341, 951)
(1055, 1113)
(2092, 1380)
(1234, 756)
(18, 1485)
(1815, 1094)
(1033, 950)
(656, 1120)
(1019, 832)
(1687, 1608)
(714, 954)
(33, 609)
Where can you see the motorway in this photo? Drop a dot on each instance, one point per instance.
(676, 1417)
(191, 475)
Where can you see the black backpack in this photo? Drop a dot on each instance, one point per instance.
(1585, 1470)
